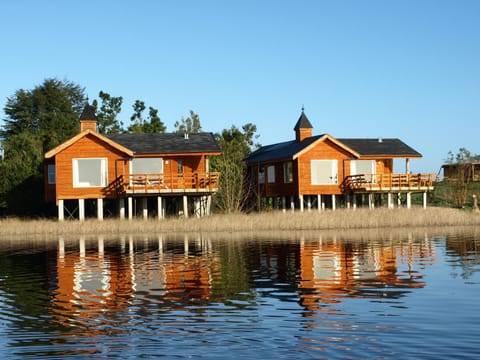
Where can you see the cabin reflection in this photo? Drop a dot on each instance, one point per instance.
(332, 270)
(102, 282)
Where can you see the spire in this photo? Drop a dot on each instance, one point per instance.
(303, 128)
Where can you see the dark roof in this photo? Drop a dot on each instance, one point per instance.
(364, 147)
(303, 122)
(88, 113)
(279, 151)
(379, 147)
(171, 143)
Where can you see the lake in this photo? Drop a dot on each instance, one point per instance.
(299, 296)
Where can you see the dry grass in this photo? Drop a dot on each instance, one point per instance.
(241, 223)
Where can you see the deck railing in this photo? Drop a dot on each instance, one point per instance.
(162, 183)
(389, 182)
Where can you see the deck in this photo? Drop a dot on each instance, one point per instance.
(367, 183)
(142, 184)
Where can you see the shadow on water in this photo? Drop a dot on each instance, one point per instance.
(290, 294)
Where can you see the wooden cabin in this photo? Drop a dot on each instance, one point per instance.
(166, 172)
(462, 172)
(318, 169)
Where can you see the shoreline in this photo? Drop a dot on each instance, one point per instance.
(274, 221)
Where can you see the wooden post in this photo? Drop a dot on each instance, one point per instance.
(292, 203)
(130, 208)
(145, 208)
(424, 199)
(209, 204)
(159, 208)
(300, 197)
(333, 202)
(100, 209)
(121, 208)
(61, 210)
(475, 203)
(319, 202)
(284, 203)
(389, 201)
(81, 209)
(185, 206)
(309, 203)
(409, 200)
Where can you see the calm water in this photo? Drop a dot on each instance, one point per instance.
(194, 297)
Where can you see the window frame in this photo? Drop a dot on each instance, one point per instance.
(288, 172)
(271, 174)
(333, 172)
(103, 173)
(51, 174)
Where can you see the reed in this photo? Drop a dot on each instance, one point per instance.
(341, 219)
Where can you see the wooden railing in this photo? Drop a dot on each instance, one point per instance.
(161, 183)
(389, 182)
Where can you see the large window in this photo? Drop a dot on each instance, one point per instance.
(90, 172)
(271, 174)
(324, 172)
(261, 176)
(147, 166)
(288, 172)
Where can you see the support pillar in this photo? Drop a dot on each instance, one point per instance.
(121, 208)
(300, 197)
(130, 208)
(284, 203)
(185, 206)
(409, 200)
(371, 205)
(81, 209)
(389, 201)
(319, 202)
(100, 209)
(61, 210)
(292, 204)
(209, 205)
(159, 208)
(333, 202)
(309, 203)
(145, 208)
(399, 199)
(354, 201)
(424, 199)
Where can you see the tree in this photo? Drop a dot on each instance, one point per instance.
(189, 125)
(107, 114)
(50, 111)
(234, 190)
(37, 121)
(462, 177)
(152, 124)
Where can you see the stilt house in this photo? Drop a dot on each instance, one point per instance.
(317, 170)
(163, 172)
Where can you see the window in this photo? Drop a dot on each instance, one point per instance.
(271, 174)
(147, 166)
(288, 172)
(324, 172)
(90, 172)
(51, 174)
(358, 167)
(180, 166)
(261, 176)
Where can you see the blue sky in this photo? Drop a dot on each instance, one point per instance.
(408, 69)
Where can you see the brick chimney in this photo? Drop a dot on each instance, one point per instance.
(88, 119)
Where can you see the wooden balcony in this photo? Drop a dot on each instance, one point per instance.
(389, 182)
(139, 184)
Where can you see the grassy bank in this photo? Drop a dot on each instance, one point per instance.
(268, 221)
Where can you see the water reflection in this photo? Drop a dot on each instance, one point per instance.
(66, 295)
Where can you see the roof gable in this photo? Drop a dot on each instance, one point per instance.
(81, 135)
(292, 149)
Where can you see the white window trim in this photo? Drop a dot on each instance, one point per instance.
(103, 170)
(334, 172)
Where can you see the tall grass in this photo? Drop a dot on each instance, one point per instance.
(342, 219)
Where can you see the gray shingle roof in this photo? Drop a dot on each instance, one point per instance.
(171, 143)
(364, 147)
(378, 147)
(88, 113)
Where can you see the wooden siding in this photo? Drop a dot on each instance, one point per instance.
(87, 147)
(325, 150)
